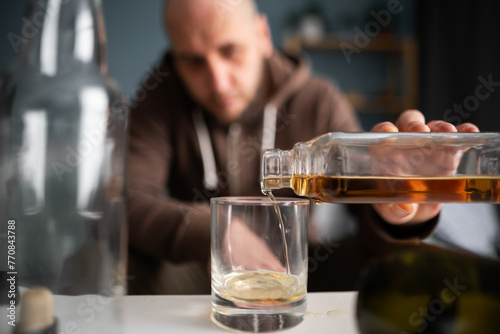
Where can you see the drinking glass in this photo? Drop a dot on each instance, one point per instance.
(259, 262)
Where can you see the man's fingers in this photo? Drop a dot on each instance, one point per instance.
(403, 213)
(412, 121)
(467, 127)
(444, 162)
(426, 212)
(271, 263)
(441, 126)
(396, 213)
(385, 127)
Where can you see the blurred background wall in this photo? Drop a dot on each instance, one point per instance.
(460, 61)
(386, 55)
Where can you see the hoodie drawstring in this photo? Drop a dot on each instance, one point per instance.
(210, 180)
(269, 126)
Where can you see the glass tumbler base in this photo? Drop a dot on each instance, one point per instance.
(230, 316)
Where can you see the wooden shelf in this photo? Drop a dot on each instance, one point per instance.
(402, 52)
(382, 43)
(376, 103)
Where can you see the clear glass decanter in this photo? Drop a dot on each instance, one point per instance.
(62, 168)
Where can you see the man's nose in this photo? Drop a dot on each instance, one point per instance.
(219, 75)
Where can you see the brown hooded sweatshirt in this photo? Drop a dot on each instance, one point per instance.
(180, 156)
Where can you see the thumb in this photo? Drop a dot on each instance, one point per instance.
(396, 213)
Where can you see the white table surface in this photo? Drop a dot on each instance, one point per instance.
(326, 313)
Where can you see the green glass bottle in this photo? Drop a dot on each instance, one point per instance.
(426, 289)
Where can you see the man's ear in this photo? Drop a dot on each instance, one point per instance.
(264, 35)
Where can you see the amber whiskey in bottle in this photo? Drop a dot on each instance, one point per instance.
(389, 167)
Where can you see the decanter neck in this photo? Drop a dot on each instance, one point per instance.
(62, 35)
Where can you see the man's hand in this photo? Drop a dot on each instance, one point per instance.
(414, 121)
(245, 250)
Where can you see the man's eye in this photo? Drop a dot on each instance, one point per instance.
(191, 61)
(229, 51)
(194, 61)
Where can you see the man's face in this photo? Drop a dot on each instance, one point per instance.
(219, 55)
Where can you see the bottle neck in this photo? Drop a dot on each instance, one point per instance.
(276, 169)
(64, 34)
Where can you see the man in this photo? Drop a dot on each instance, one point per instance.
(200, 132)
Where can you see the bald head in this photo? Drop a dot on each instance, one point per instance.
(201, 11)
(219, 47)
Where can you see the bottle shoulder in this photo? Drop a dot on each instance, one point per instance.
(29, 85)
